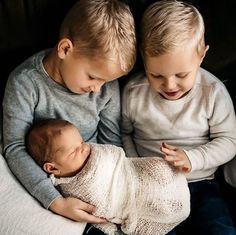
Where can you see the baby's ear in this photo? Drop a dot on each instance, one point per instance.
(50, 168)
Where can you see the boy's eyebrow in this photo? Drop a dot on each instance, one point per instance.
(93, 76)
(158, 74)
(147, 71)
(181, 73)
(98, 78)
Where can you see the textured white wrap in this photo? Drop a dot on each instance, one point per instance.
(143, 195)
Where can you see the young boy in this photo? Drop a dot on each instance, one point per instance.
(76, 81)
(140, 195)
(181, 112)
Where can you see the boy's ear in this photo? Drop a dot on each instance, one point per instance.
(204, 53)
(50, 167)
(64, 46)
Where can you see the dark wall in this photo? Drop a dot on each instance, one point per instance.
(27, 26)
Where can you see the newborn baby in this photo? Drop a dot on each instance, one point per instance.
(137, 195)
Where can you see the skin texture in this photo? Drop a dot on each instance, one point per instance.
(173, 75)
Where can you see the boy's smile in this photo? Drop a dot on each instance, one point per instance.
(173, 74)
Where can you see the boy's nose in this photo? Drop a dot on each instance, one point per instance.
(170, 83)
(97, 87)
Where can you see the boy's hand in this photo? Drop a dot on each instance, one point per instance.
(75, 209)
(176, 157)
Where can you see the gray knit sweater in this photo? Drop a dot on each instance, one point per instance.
(32, 95)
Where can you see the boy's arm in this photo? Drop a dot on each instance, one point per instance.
(108, 127)
(18, 114)
(127, 126)
(222, 132)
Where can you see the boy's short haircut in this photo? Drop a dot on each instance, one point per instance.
(169, 24)
(39, 139)
(102, 28)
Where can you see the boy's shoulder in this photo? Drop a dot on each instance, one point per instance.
(210, 83)
(28, 67)
(209, 79)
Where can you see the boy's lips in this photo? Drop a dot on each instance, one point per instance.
(173, 93)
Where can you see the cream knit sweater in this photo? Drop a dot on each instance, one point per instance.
(143, 195)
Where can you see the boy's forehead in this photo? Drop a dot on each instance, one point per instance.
(107, 69)
(174, 62)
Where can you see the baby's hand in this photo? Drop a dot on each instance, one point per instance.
(75, 209)
(176, 157)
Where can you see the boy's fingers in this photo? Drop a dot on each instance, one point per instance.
(171, 158)
(85, 213)
(185, 169)
(168, 151)
(84, 216)
(165, 145)
(87, 207)
(178, 163)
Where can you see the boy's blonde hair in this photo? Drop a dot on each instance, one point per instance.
(102, 28)
(169, 24)
(39, 140)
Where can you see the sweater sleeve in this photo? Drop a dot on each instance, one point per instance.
(18, 113)
(108, 127)
(222, 132)
(126, 125)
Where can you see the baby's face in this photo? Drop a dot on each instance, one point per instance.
(173, 74)
(71, 152)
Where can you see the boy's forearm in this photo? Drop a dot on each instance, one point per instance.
(31, 176)
(129, 146)
(17, 117)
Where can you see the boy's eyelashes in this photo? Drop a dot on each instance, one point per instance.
(156, 76)
(91, 78)
(182, 75)
(94, 78)
(176, 75)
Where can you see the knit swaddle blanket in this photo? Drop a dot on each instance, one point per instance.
(143, 195)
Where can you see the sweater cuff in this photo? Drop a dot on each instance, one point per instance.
(195, 159)
(46, 193)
